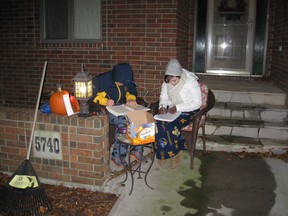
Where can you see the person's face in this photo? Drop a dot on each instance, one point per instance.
(174, 80)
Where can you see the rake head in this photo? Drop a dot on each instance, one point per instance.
(23, 194)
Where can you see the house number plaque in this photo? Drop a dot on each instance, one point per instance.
(47, 144)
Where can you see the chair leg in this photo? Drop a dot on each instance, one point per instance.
(204, 139)
(192, 159)
(191, 149)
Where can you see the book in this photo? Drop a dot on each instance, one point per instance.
(168, 117)
(119, 110)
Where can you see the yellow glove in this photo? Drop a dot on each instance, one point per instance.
(130, 96)
(101, 98)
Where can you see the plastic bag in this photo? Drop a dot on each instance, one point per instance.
(46, 108)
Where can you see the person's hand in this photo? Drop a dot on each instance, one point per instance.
(110, 102)
(172, 110)
(131, 103)
(162, 110)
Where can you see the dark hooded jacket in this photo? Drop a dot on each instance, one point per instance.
(104, 86)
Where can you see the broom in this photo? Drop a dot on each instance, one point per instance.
(23, 193)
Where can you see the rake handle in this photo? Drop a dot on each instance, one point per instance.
(36, 111)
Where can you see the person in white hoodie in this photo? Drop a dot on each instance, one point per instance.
(180, 92)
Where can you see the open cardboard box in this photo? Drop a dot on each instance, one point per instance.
(141, 127)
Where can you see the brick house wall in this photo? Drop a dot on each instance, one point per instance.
(145, 34)
(185, 32)
(277, 64)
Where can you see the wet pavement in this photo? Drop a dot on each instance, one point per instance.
(220, 184)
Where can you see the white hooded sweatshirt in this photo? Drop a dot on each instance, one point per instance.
(186, 95)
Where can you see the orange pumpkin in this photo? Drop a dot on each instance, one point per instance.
(56, 102)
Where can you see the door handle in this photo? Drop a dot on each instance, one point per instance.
(250, 23)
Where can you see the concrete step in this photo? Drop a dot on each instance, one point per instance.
(270, 98)
(246, 128)
(239, 144)
(244, 90)
(249, 115)
(243, 111)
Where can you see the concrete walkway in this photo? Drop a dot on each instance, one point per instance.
(220, 184)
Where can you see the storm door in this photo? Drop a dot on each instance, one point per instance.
(230, 33)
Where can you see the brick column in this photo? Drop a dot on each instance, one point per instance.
(85, 146)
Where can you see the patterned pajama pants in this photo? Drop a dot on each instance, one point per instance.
(169, 140)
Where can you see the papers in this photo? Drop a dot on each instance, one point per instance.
(123, 109)
(167, 117)
(68, 105)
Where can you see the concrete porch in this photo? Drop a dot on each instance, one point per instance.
(249, 115)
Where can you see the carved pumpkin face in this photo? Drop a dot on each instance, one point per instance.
(56, 102)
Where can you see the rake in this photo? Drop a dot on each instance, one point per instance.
(23, 193)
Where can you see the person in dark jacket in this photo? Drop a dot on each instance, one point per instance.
(114, 88)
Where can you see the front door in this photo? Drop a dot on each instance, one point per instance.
(230, 36)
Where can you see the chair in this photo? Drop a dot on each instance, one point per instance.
(190, 132)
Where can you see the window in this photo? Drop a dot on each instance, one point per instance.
(70, 20)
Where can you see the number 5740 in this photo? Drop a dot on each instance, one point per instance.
(47, 144)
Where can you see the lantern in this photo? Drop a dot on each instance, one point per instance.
(83, 91)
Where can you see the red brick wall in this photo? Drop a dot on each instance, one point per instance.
(185, 33)
(143, 33)
(85, 146)
(277, 64)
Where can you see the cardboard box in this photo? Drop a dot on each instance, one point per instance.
(141, 127)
